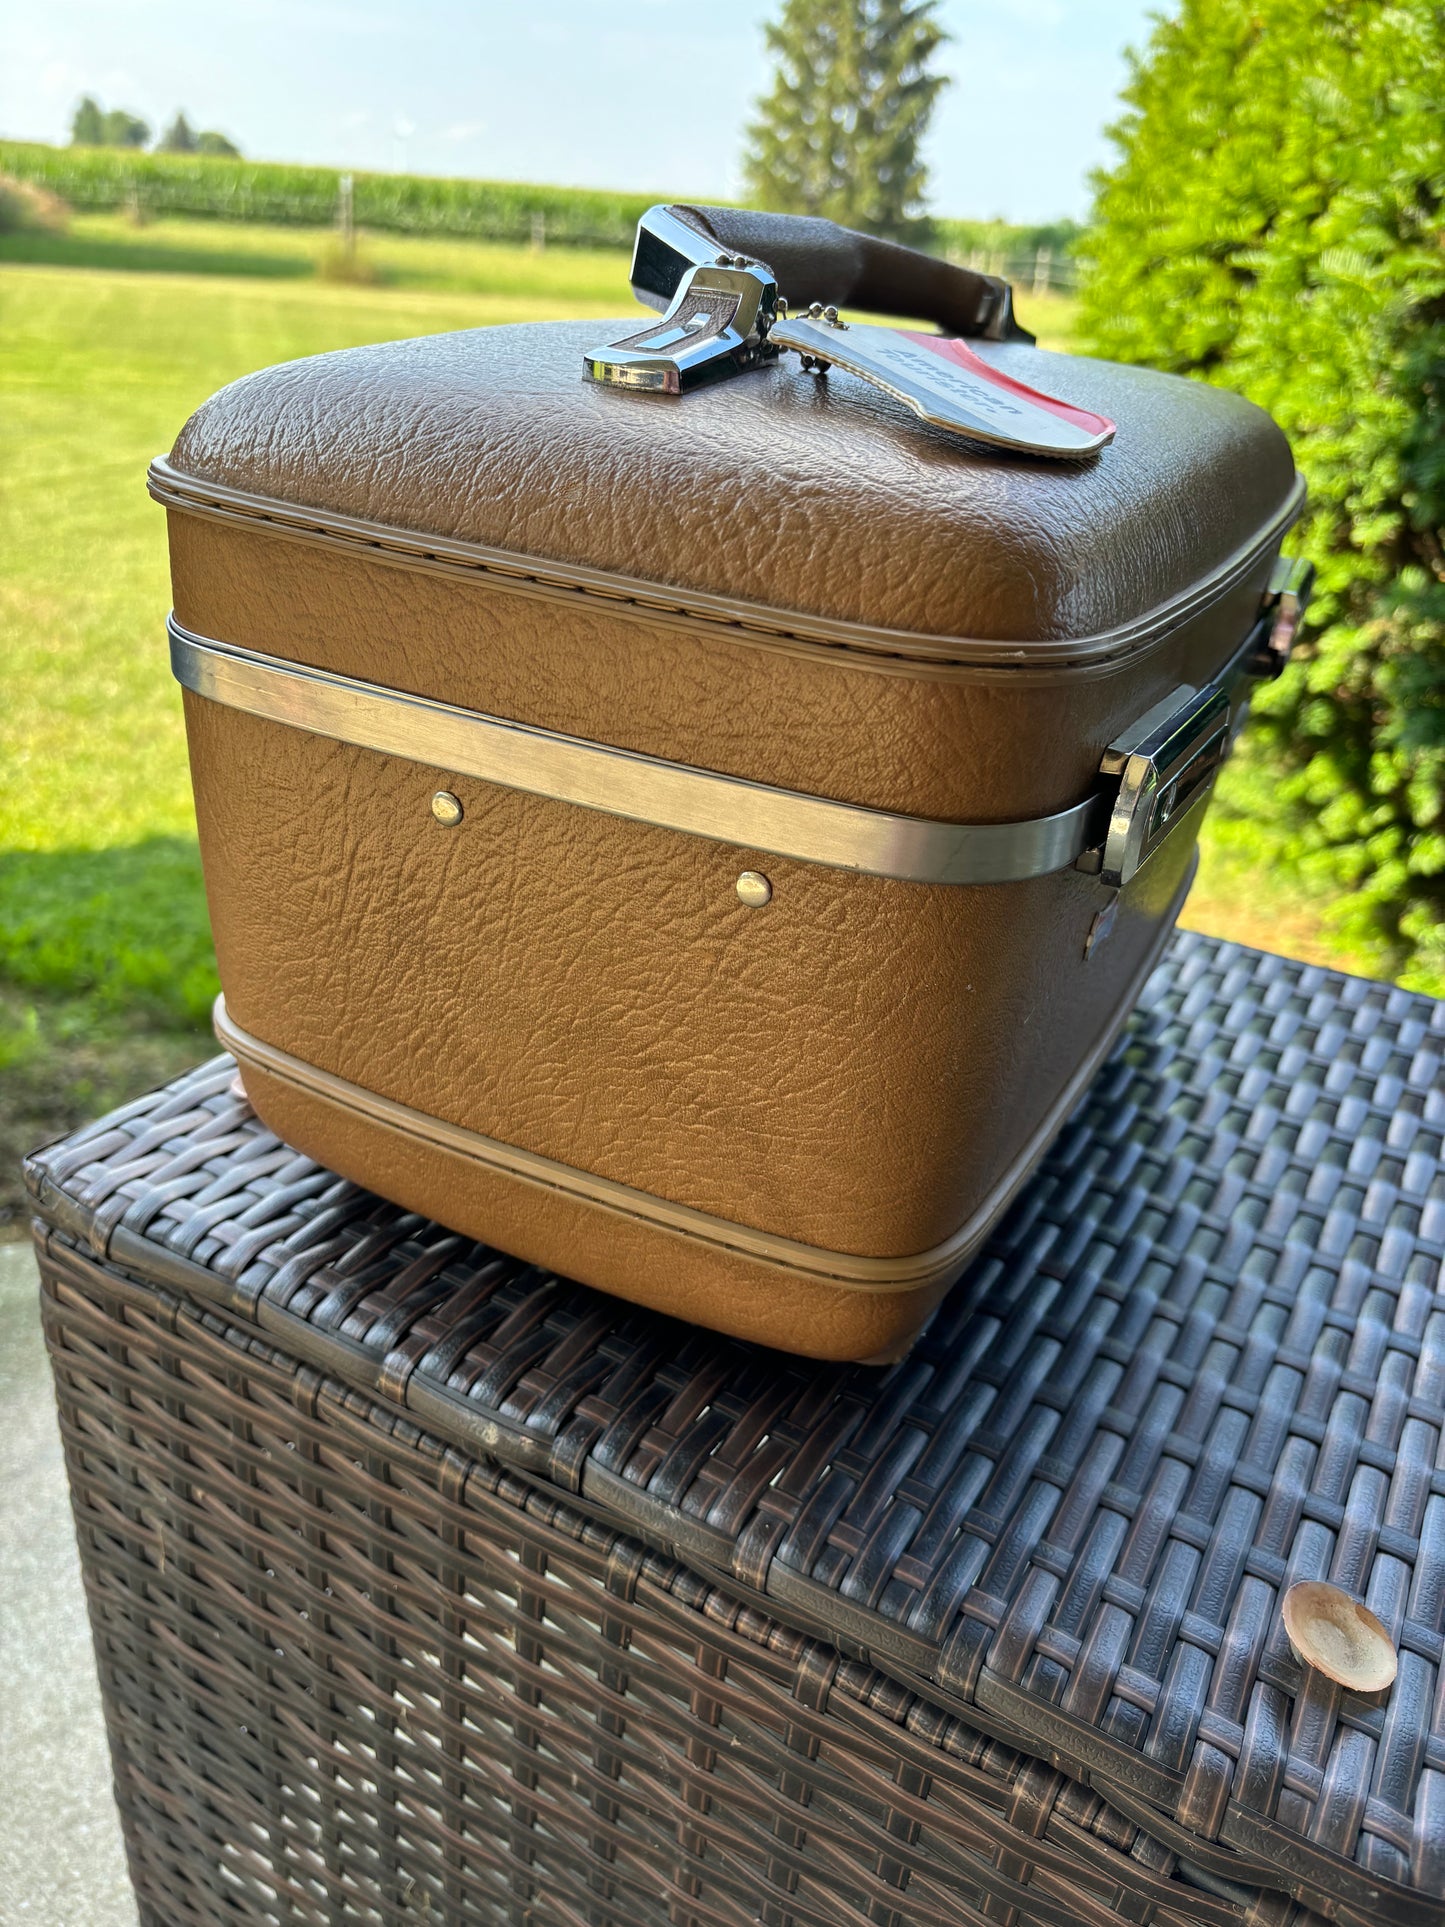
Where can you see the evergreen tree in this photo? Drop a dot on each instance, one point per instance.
(121, 129)
(839, 135)
(88, 127)
(178, 138)
(1274, 224)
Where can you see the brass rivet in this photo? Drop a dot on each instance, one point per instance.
(754, 889)
(447, 809)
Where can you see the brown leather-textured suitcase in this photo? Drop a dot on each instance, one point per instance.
(704, 842)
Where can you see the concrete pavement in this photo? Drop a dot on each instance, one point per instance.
(61, 1859)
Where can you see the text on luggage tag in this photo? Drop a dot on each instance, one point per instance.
(726, 319)
(947, 382)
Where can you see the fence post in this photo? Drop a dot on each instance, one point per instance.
(1043, 262)
(346, 218)
(539, 231)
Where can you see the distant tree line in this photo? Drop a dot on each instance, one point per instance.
(95, 127)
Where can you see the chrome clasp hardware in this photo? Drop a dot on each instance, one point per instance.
(718, 310)
(823, 318)
(1165, 764)
(1285, 601)
(717, 325)
(722, 312)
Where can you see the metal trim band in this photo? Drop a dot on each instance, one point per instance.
(619, 782)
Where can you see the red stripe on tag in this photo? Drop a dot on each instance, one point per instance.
(948, 349)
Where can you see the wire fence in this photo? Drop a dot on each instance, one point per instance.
(1043, 271)
(151, 185)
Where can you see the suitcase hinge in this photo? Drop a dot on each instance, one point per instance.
(1164, 764)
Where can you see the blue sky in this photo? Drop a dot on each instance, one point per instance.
(643, 94)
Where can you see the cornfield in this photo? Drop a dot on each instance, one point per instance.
(101, 178)
(240, 190)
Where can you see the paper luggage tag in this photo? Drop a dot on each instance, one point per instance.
(948, 383)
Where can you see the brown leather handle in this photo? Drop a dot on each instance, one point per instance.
(816, 260)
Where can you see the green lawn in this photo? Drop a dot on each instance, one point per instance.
(112, 335)
(552, 282)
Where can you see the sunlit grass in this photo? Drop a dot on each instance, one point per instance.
(566, 281)
(573, 281)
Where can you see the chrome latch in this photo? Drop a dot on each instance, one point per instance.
(717, 324)
(719, 308)
(1165, 764)
(1285, 601)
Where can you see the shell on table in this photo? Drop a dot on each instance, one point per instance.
(1339, 1637)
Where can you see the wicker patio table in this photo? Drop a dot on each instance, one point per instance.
(428, 1587)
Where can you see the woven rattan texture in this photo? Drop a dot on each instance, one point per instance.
(351, 1674)
(1203, 1356)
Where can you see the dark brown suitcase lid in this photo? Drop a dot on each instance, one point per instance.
(1202, 1357)
(796, 498)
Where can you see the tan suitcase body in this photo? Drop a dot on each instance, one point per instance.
(558, 1023)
